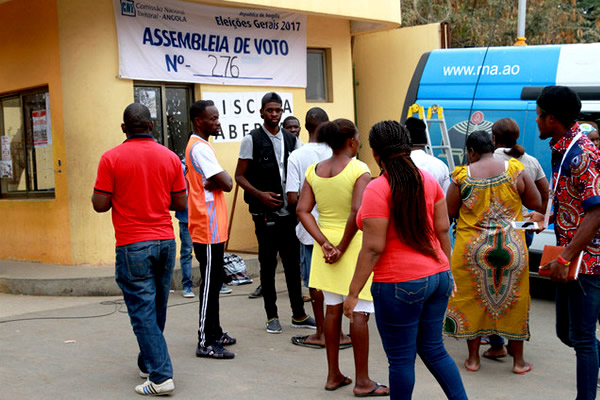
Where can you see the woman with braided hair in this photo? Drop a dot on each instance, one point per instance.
(406, 245)
(336, 186)
(490, 259)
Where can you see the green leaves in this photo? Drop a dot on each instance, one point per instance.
(471, 21)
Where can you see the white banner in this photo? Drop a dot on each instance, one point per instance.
(171, 40)
(239, 113)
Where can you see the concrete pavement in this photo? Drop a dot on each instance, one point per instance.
(93, 356)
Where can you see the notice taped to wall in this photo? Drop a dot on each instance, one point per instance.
(6, 170)
(5, 141)
(40, 131)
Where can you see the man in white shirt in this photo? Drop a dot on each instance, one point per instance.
(422, 160)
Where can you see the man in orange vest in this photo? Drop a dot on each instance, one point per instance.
(207, 222)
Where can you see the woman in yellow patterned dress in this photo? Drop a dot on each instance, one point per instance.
(336, 186)
(490, 260)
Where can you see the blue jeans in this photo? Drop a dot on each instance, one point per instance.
(409, 318)
(305, 260)
(577, 311)
(185, 255)
(144, 271)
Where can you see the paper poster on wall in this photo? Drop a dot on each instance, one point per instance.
(239, 113)
(40, 131)
(148, 98)
(6, 170)
(5, 141)
(173, 40)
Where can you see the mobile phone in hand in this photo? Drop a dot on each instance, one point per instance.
(524, 225)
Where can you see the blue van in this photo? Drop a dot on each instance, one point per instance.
(477, 86)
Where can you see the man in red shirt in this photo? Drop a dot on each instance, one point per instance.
(141, 181)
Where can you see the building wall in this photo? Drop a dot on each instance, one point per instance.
(397, 53)
(96, 99)
(75, 53)
(35, 230)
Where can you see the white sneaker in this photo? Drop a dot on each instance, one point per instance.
(188, 293)
(144, 375)
(225, 290)
(150, 388)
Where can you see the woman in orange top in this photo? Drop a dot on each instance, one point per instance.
(406, 245)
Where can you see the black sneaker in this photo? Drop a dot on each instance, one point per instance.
(306, 322)
(273, 326)
(256, 294)
(227, 340)
(214, 351)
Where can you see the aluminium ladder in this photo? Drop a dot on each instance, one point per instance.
(429, 120)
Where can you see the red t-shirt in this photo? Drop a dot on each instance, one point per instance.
(399, 262)
(140, 175)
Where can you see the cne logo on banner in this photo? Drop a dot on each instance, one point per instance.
(127, 8)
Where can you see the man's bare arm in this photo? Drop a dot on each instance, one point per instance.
(101, 202)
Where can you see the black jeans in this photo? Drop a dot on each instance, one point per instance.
(278, 235)
(210, 257)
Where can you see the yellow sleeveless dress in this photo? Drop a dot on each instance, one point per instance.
(490, 260)
(334, 199)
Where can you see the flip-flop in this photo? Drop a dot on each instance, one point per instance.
(373, 393)
(345, 345)
(490, 357)
(469, 369)
(530, 367)
(345, 382)
(301, 341)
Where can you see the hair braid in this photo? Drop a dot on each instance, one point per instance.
(392, 142)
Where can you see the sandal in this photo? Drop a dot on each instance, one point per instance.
(489, 353)
(374, 393)
(301, 341)
(345, 382)
(526, 370)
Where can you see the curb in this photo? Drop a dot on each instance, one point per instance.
(97, 285)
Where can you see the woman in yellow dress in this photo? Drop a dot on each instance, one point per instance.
(490, 260)
(336, 186)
